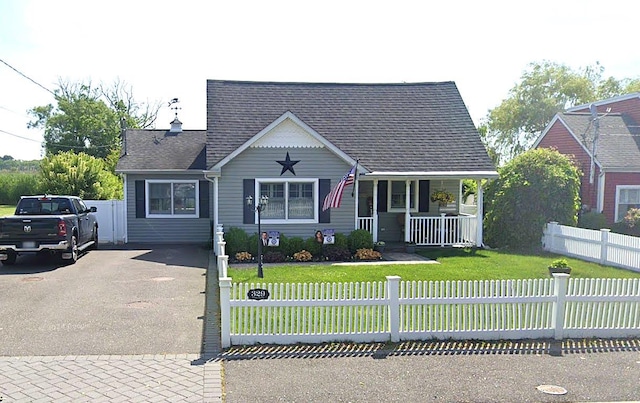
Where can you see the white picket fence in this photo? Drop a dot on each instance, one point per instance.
(602, 246)
(111, 222)
(397, 310)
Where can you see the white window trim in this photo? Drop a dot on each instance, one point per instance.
(286, 181)
(172, 216)
(617, 205)
(416, 192)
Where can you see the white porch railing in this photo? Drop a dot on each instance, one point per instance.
(602, 246)
(443, 230)
(366, 223)
(436, 231)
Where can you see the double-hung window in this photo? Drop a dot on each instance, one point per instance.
(172, 199)
(398, 196)
(290, 201)
(627, 197)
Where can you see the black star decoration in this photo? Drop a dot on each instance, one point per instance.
(287, 165)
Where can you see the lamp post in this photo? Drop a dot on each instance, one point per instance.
(262, 203)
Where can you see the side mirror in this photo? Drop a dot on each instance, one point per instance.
(93, 209)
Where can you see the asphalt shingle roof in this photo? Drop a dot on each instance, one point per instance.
(388, 127)
(161, 150)
(618, 144)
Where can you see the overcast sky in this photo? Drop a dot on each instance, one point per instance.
(167, 49)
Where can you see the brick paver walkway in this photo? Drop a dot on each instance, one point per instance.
(142, 378)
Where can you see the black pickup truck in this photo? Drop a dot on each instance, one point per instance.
(60, 225)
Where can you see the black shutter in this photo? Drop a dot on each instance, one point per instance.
(423, 196)
(382, 196)
(204, 199)
(140, 202)
(323, 191)
(248, 189)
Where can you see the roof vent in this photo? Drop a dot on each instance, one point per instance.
(176, 124)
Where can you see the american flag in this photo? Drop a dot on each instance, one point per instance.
(333, 199)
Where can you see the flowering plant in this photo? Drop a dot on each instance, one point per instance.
(442, 197)
(243, 256)
(302, 256)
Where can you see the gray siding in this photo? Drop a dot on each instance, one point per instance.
(257, 163)
(165, 230)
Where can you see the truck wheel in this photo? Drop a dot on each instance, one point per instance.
(95, 238)
(73, 249)
(11, 258)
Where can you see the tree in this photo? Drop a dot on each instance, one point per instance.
(89, 119)
(536, 187)
(80, 175)
(545, 89)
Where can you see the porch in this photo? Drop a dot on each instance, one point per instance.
(405, 210)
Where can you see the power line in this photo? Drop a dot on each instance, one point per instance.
(28, 78)
(20, 137)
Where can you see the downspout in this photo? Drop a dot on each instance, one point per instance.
(215, 212)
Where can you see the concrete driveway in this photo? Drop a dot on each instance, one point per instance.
(146, 300)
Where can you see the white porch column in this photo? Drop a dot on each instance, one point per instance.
(479, 214)
(407, 209)
(374, 213)
(357, 215)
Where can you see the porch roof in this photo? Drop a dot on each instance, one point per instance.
(434, 175)
(401, 128)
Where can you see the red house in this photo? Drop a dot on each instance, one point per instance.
(604, 138)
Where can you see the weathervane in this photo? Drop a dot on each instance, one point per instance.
(173, 106)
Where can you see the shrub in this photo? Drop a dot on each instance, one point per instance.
(237, 241)
(337, 254)
(295, 244)
(312, 246)
(360, 239)
(273, 257)
(632, 218)
(368, 254)
(536, 187)
(341, 241)
(592, 220)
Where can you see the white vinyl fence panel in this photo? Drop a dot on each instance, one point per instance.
(602, 246)
(111, 222)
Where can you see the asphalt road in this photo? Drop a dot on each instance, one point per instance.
(147, 300)
(594, 371)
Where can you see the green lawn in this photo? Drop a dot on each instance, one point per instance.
(455, 264)
(6, 209)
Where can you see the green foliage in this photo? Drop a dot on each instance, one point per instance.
(632, 218)
(7, 163)
(559, 264)
(545, 89)
(360, 239)
(592, 220)
(311, 245)
(469, 187)
(14, 185)
(80, 175)
(90, 119)
(236, 240)
(534, 188)
(294, 245)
